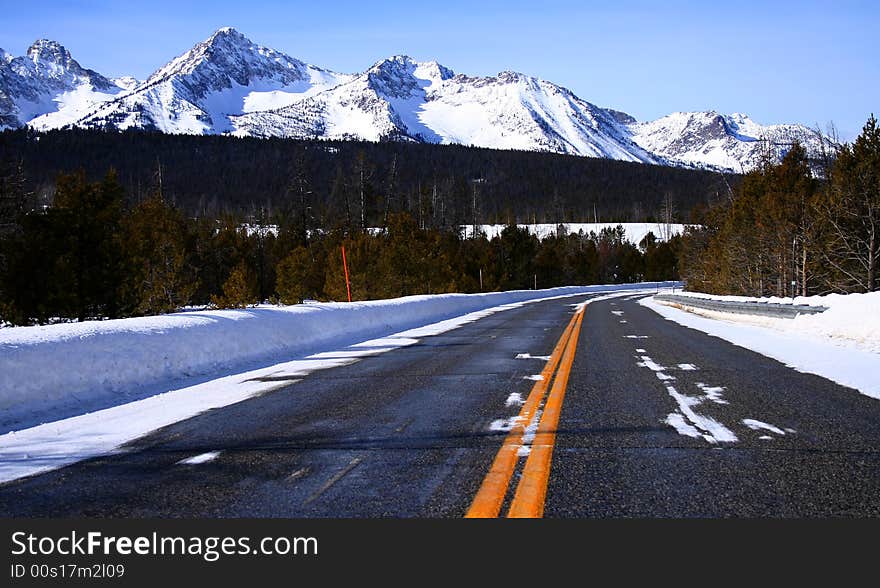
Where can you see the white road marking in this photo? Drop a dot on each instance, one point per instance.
(515, 399)
(201, 458)
(617, 312)
(640, 351)
(688, 367)
(650, 364)
(636, 337)
(529, 356)
(534, 377)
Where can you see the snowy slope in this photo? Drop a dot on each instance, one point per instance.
(47, 88)
(423, 101)
(228, 84)
(710, 139)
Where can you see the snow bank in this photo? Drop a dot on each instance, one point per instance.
(61, 442)
(841, 344)
(66, 369)
(851, 319)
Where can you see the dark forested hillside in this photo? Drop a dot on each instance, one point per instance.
(360, 183)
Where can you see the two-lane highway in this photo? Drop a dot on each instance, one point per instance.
(634, 416)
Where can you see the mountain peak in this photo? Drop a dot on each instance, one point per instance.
(49, 51)
(393, 62)
(404, 65)
(512, 76)
(227, 35)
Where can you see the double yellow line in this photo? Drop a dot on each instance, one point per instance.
(528, 501)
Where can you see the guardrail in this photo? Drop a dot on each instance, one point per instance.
(773, 309)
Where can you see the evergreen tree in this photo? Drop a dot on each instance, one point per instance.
(158, 276)
(300, 276)
(851, 211)
(239, 290)
(87, 216)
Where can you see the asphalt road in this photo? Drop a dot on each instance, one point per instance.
(655, 423)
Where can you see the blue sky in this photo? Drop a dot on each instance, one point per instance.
(807, 62)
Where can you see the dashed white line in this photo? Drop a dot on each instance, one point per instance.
(529, 356)
(201, 458)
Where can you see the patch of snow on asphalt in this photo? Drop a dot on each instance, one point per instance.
(713, 393)
(714, 432)
(503, 424)
(677, 421)
(759, 426)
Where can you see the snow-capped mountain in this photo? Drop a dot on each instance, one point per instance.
(46, 88)
(197, 92)
(724, 141)
(425, 101)
(229, 85)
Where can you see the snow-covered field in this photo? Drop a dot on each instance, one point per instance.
(633, 232)
(841, 344)
(55, 372)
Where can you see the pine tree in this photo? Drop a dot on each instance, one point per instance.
(87, 216)
(158, 276)
(300, 276)
(239, 290)
(851, 210)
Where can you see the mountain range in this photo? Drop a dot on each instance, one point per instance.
(227, 84)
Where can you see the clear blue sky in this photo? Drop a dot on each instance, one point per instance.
(807, 62)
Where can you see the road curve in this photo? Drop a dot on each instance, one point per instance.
(654, 420)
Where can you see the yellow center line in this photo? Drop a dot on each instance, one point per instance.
(490, 497)
(528, 501)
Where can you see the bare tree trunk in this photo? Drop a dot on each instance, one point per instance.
(872, 263)
(363, 200)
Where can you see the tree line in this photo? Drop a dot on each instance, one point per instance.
(789, 230)
(92, 254)
(361, 183)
